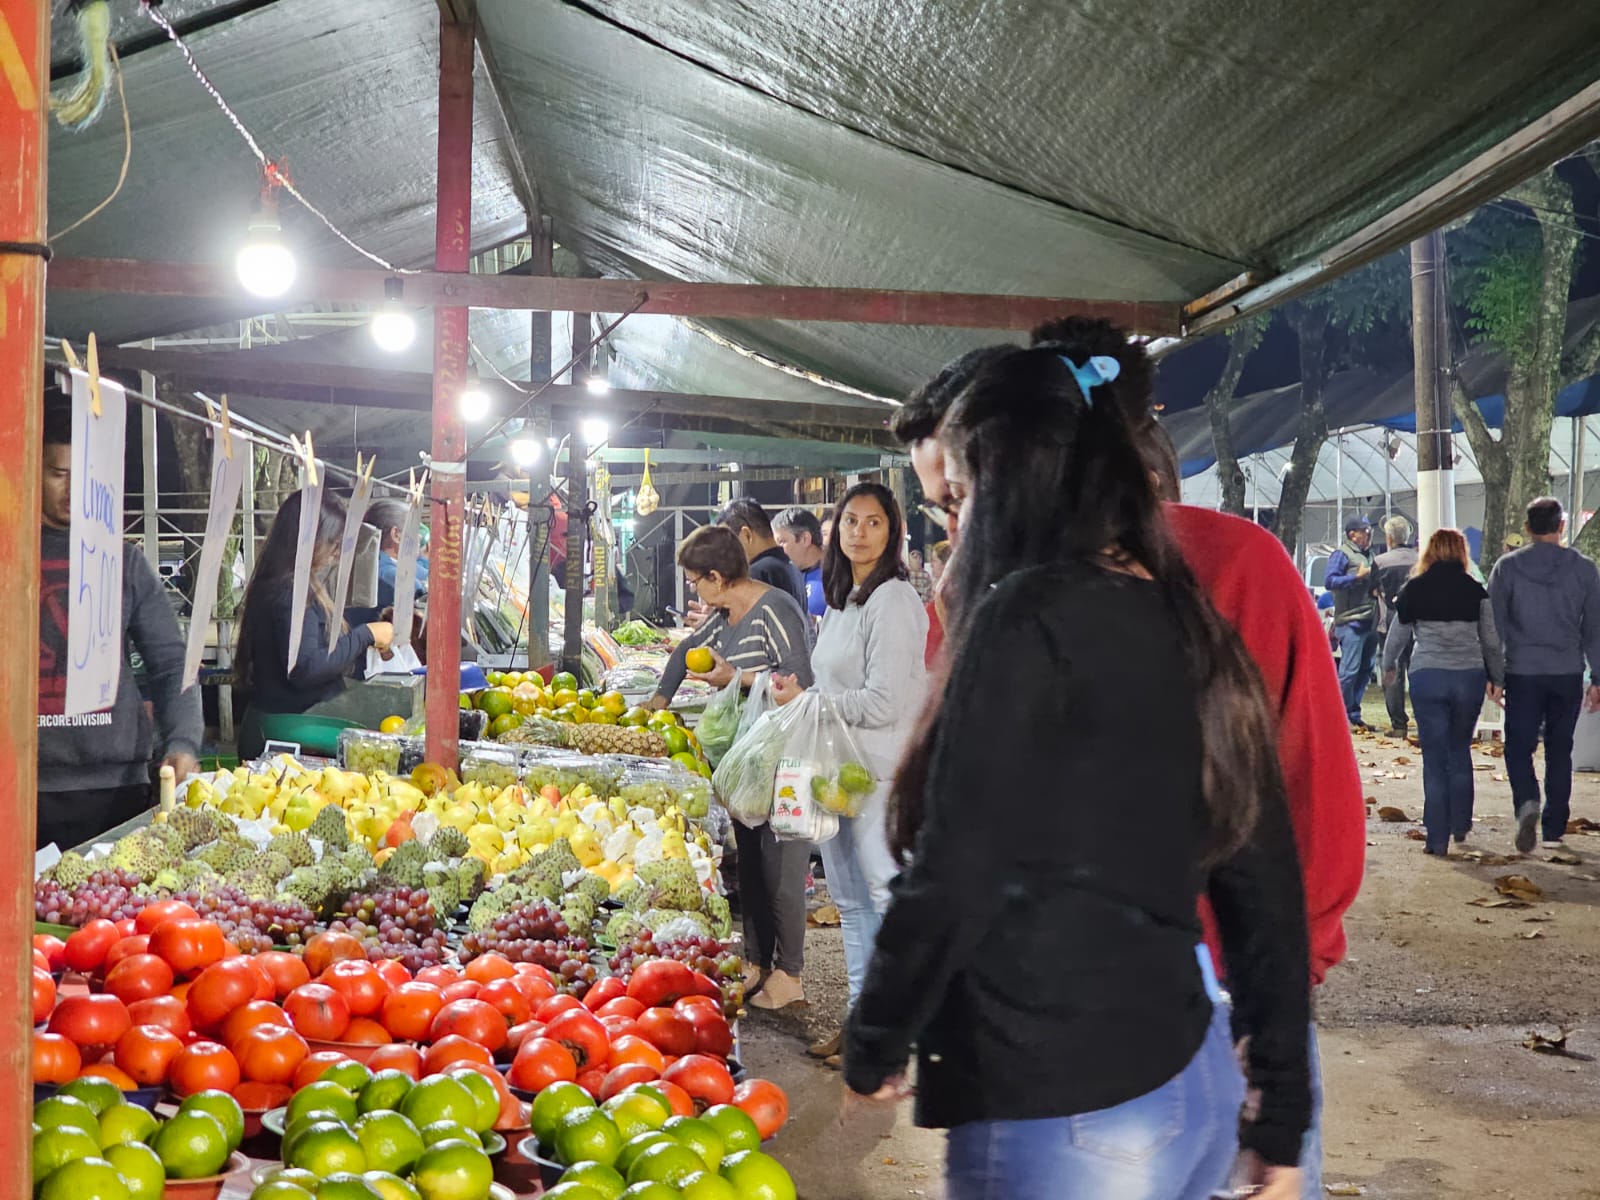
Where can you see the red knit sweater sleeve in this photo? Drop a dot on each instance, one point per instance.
(1255, 587)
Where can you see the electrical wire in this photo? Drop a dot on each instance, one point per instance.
(127, 152)
(149, 9)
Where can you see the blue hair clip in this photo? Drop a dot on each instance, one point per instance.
(1102, 368)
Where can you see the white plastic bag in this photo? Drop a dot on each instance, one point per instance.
(757, 704)
(836, 776)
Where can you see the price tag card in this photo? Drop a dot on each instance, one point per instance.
(227, 481)
(94, 608)
(354, 514)
(305, 550)
(405, 570)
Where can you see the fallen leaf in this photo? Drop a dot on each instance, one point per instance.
(825, 917)
(1498, 902)
(1499, 778)
(1402, 761)
(1583, 825)
(1546, 917)
(1483, 766)
(1586, 878)
(1486, 858)
(1518, 886)
(1416, 835)
(1565, 857)
(1392, 814)
(1345, 1189)
(1369, 765)
(1482, 921)
(1542, 1044)
(1531, 934)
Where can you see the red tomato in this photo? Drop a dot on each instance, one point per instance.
(617, 1027)
(440, 977)
(535, 988)
(169, 1012)
(315, 1064)
(139, 977)
(683, 1104)
(364, 1031)
(592, 1081)
(53, 948)
(90, 1020)
(203, 1066)
(712, 1033)
(765, 1103)
(270, 1053)
(87, 948)
(125, 927)
(256, 1097)
(285, 970)
(55, 1059)
(398, 1057)
(450, 1050)
(666, 1031)
(580, 1031)
(110, 1071)
(462, 989)
(503, 995)
(555, 1006)
(602, 993)
(318, 1012)
(325, 949)
(706, 1079)
(44, 996)
(221, 988)
(146, 1053)
(472, 1019)
(620, 1079)
(250, 1016)
(539, 1063)
(188, 946)
(125, 947)
(394, 972)
(635, 1051)
(157, 911)
(362, 987)
(622, 1006)
(527, 968)
(409, 1010)
(660, 981)
(41, 961)
(518, 1034)
(486, 968)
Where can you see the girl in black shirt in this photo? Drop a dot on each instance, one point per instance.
(1099, 753)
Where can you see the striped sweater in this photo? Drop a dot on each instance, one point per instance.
(772, 636)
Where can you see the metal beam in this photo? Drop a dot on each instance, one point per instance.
(730, 301)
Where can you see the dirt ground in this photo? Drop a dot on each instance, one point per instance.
(1430, 1090)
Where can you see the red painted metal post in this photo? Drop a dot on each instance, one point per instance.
(452, 248)
(24, 78)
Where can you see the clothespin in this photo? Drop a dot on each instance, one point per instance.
(225, 431)
(371, 463)
(70, 354)
(306, 456)
(94, 376)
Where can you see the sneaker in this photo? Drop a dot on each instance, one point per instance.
(1399, 731)
(780, 991)
(828, 1047)
(1527, 827)
(754, 976)
(1558, 844)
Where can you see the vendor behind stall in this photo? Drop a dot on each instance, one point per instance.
(388, 517)
(261, 664)
(94, 769)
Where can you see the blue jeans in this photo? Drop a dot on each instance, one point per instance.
(1177, 1142)
(1447, 704)
(1311, 1144)
(1358, 646)
(860, 867)
(1554, 702)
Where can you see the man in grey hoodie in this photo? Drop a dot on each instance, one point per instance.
(1547, 609)
(94, 769)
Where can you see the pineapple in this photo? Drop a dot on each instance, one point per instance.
(618, 739)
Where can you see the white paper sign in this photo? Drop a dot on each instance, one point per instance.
(405, 573)
(227, 479)
(94, 608)
(347, 550)
(305, 548)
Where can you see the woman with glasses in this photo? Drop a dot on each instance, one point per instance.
(751, 628)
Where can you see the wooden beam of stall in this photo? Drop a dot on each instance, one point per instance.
(452, 249)
(24, 84)
(730, 301)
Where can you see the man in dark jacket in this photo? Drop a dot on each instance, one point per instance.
(1547, 609)
(1355, 613)
(94, 769)
(768, 563)
(1392, 568)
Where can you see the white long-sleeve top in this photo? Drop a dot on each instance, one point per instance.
(869, 660)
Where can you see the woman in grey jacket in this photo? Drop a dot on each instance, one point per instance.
(1445, 617)
(869, 661)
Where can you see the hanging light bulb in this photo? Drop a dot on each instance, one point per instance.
(393, 328)
(595, 431)
(474, 400)
(599, 385)
(265, 266)
(525, 452)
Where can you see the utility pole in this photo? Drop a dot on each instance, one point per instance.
(1436, 489)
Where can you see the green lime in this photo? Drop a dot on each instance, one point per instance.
(391, 1187)
(192, 1145)
(141, 1169)
(301, 1178)
(707, 1186)
(61, 1110)
(735, 1126)
(676, 739)
(448, 1131)
(483, 1094)
(699, 1136)
(279, 1189)
(649, 1189)
(86, 1179)
(564, 681)
(495, 702)
(58, 1146)
(587, 1136)
(124, 1123)
(439, 1098)
(856, 779)
(635, 1112)
(224, 1108)
(669, 1163)
(346, 1185)
(322, 1096)
(637, 1146)
(325, 1149)
(453, 1170)
(572, 1191)
(604, 1181)
(99, 1094)
(687, 761)
(504, 724)
(385, 1090)
(390, 1141)
(350, 1075)
(756, 1176)
(553, 1104)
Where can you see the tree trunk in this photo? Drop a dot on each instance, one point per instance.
(1494, 465)
(1311, 324)
(1219, 404)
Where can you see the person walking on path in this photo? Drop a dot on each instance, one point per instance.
(1103, 1067)
(1355, 612)
(1547, 609)
(1392, 568)
(1444, 622)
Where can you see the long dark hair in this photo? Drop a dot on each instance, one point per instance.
(838, 579)
(275, 570)
(1057, 478)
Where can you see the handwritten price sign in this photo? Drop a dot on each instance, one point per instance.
(94, 663)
